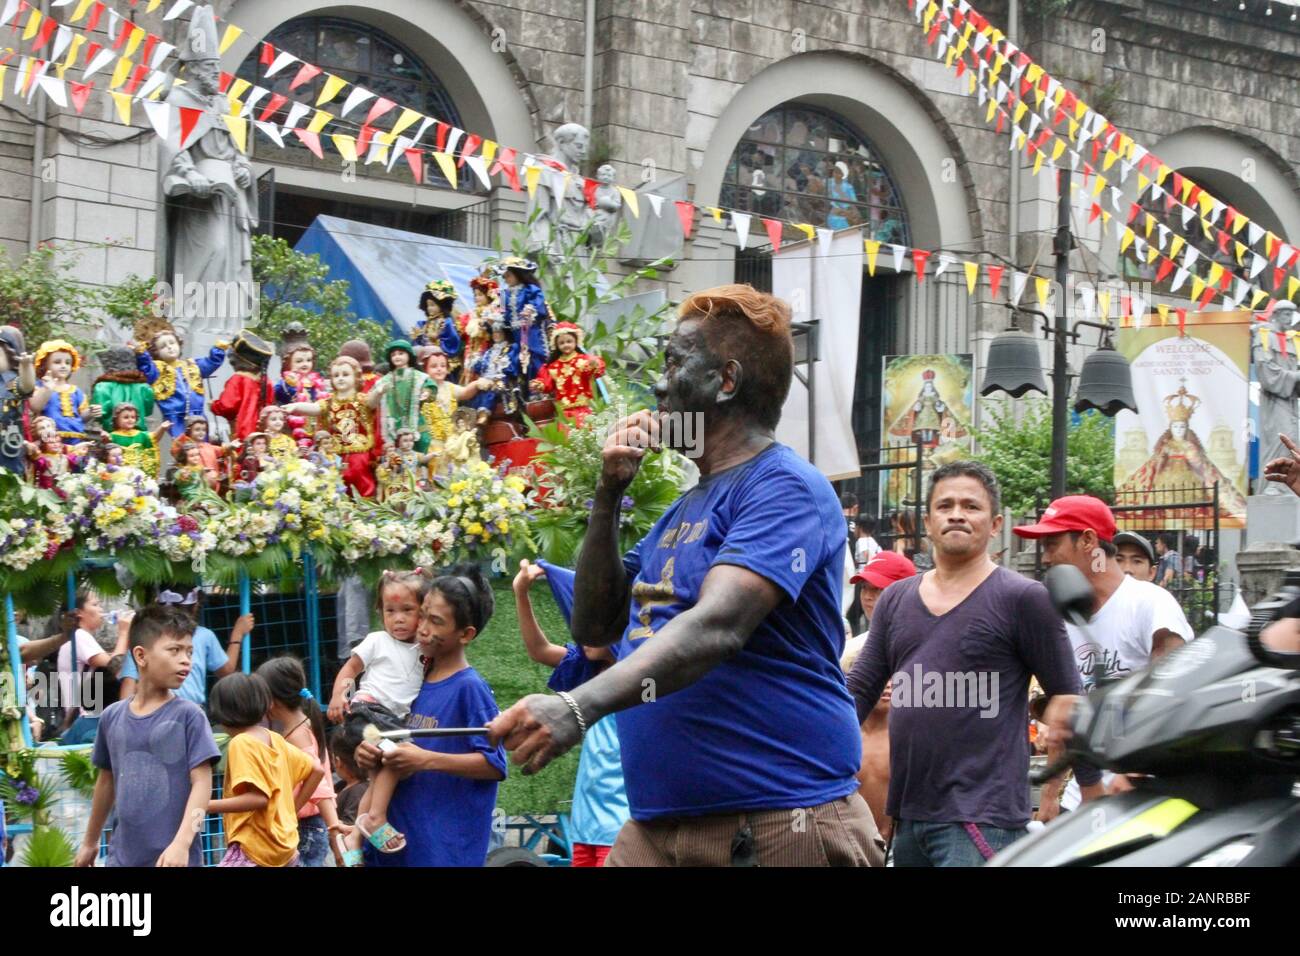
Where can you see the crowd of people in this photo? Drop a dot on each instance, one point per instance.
(725, 711)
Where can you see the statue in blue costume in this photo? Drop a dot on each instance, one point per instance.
(498, 368)
(438, 327)
(17, 383)
(523, 307)
(56, 397)
(177, 382)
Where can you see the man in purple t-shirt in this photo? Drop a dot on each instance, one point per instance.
(961, 643)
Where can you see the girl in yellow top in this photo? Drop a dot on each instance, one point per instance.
(262, 770)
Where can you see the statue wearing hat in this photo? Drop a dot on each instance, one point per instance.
(476, 328)
(400, 394)
(1279, 387)
(207, 183)
(17, 383)
(523, 307)
(437, 325)
(249, 390)
(570, 377)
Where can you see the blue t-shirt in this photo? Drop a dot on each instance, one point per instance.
(209, 655)
(599, 793)
(773, 727)
(447, 820)
(151, 758)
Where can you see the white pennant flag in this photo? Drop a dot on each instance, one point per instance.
(963, 6)
(981, 41)
(1254, 232)
(398, 151)
(1016, 73)
(101, 60)
(943, 48)
(160, 116)
(296, 113)
(1162, 235)
(897, 253)
(358, 95)
(113, 19)
(1186, 212)
(53, 87)
(740, 222)
(1284, 253)
(944, 263)
(1125, 168)
(1074, 161)
(983, 92)
(1180, 276)
(37, 75)
(1189, 257)
(272, 132)
(1257, 263)
(1003, 90)
(479, 165)
(453, 140)
(1139, 308)
(1156, 192)
(425, 124)
(1018, 280)
(60, 3)
(1117, 199)
(156, 79)
(177, 8)
(1139, 249)
(281, 61)
(1139, 153)
(1035, 121)
(1053, 84)
(656, 202)
(373, 154)
(257, 93)
(1242, 288)
(1216, 210)
(824, 237)
(18, 75)
(10, 7)
(160, 53)
(61, 41)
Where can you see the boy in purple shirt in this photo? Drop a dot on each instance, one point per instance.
(961, 643)
(155, 753)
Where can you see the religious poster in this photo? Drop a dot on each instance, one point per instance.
(927, 400)
(1191, 429)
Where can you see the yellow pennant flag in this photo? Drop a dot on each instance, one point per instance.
(1162, 174)
(930, 12)
(1205, 228)
(318, 121)
(1080, 108)
(1103, 303)
(993, 108)
(153, 5)
(998, 64)
(951, 55)
(1164, 313)
(1240, 251)
(1109, 160)
(806, 229)
(238, 89)
(1021, 108)
(236, 106)
(331, 88)
(532, 174)
(1074, 130)
(231, 35)
(1105, 218)
(137, 37)
(238, 127)
(715, 212)
(1039, 95)
(1198, 286)
(33, 24)
(873, 249)
(82, 7)
(1023, 138)
(972, 275)
(1238, 223)
(346, 145)
(1126, 240)
(489, 151)
(1216, 273)
(448, 167)
(1152, 253)
(1150, 224)
(1292, 284)
(1057, 149)
(73, 49)
(1058, 96)
(1258, 296)
(123, 101)
(1098, 185)
(1144, 182)
(408, 117)
(1038, 161)
(1206, 202)
(1187, 190)
(1176, 246)
(120, 73)
(1263, 337)
(972, 84)
(1042, 287)
(629, 197)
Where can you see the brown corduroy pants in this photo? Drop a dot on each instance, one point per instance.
(839, 833)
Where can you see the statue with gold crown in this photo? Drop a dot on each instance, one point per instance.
(210, 195)
(1179, 469)
(929, 418)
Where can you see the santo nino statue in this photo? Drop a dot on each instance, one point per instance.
(210, 195)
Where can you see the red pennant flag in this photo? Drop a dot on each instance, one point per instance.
(443, 130)
(277, 100)
(1178, 185)
(1058, 117)
(685, 212)
(774, 229)
(933, 34)
(310, 140)
(146, 55)
(1278, 275)
(1225, 281)
(1069, 101)
(995, 279)
(1223, 241)
(472, 142)
(122, 34)
(958, 18)
(363, 139)
(93, 49)
(306, 74)
(1133, 211)
(80, 92)
(1166, 267)
(1096, 150)
(223, 86)
(1231, 219)
(381, 107)
(918, 262)
(506, 164)
(96, 12)
(1025, 87)
(1281, 341)
(43, 35)
(416, 159)
(1193, 195)
(1169, 202)
(1094, 213)
(1206, 296)
(997, 127)
(1295, 254)
(1042, 138)
(137, 77)
(268, 55)
(1182, 321)
(589, 192)
(188, 118)
(961, 67)
(1268, 310)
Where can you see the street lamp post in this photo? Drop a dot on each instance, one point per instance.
(1060, 357)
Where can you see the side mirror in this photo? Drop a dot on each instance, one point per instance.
(1273, 635)
(1070, 592)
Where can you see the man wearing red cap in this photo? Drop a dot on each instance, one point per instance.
(884, 568)
(1133, 622)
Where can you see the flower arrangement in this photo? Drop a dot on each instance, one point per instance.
(114, 508)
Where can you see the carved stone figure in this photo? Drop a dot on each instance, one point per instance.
(559, 200)
(1279, 387)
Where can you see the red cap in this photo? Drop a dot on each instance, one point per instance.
(884, 569)
(1073, 513)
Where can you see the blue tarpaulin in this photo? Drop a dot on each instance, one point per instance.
(388, 268)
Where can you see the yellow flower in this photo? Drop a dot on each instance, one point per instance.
(475, 528)
(503, 525)
(454, 501)
(117, 514)
(456, 487)
(501, 502)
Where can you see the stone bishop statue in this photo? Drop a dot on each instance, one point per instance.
(1279, 387)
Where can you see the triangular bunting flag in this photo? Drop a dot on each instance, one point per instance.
(919, 257)
(159, 115)
(306, 73)
(995, 279)
(774, 230)
(238, 127)
(188, 118)
(479, 165)
(311, 141)
(356, 97)
(346, 145)
(415, 158)
(272, 132)
(1018, 280)
(1042, 287)
(897, 251)
(227, 40)
(281, 60)
(330, 88)
(686, 215)
(972, 270)
(79, 93)
(656, 203)
(872, 247)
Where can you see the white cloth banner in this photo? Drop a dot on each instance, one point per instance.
(828, 289)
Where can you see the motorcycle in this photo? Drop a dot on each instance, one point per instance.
(1213, 727)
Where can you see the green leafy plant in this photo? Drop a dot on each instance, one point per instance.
(295, 287)
(131, 300)
(48, 847)
(39, 295)
(79, 771)
(1017, 449)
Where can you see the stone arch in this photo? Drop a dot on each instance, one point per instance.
(907, 129)
(1221, 161)
(488, 88)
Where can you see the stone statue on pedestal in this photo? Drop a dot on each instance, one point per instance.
(1279, 381)
(560, 201)
(210, 195)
